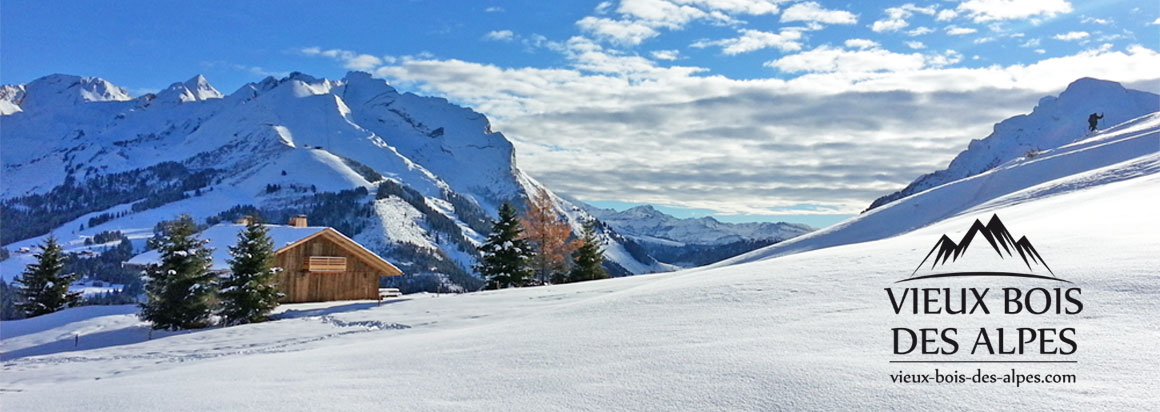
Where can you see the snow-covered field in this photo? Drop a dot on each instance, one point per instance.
(810, 330)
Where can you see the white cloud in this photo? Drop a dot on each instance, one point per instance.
(660, 13)
(750, 7)
(959, 31)
(752, 40)
(1040, 51)
(919, 31)
(350, 60)
(640, 20)
(493, 9)
(622, 32)
(1156, 22)
(906, 10)
(947, 58)
(916, 45)
(861, 44)
(812, 11)
(888, 25)
(988, 10)
(1072, 36)
(500, 35)
(1094, 20)
(946, 15)
(896, 17)
(1030, 43)
(826, 59)
(671, 135)
(666, 54)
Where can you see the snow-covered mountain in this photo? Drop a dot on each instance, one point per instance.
(647, 223)
(414, 178)
(693, 241)
(809, 331)
(1067, 159)
(1053, 122)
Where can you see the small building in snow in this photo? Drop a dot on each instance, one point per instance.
(318, 263)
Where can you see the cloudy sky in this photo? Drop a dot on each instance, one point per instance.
(741, 109)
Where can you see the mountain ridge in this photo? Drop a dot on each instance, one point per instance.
(76, 150)
(1053, 122)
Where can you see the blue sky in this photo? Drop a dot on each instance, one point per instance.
(742, 109)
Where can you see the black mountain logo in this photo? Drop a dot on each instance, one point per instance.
(1001, 241)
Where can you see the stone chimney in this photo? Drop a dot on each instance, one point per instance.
(244, 220)
(298, 221)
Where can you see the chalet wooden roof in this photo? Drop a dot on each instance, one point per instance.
(346, 243)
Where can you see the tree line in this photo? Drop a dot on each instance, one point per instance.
(182, 289)
(535, 249)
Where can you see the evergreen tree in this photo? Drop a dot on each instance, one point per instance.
(589, 257)
(44, 287)
(180, 288)
(8, 297)
(505, 253)
(248, 293)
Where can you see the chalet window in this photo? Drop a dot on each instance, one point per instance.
(326, 264)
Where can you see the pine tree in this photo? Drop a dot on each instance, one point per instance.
(549, 238)
(181, 287)
(505, 253)
(44, 287)
(589, 257)
(9, 296)
(248, 293)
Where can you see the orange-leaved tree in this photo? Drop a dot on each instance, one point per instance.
(549, 234)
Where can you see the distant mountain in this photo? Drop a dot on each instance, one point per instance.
(1055, 121)
(996, 235)
(693, 241)
(413, 178)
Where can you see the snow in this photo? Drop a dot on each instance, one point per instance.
(220, 237)
(399, 223)
(302, 125)
(1055, 121)
(1121, 152)
(94, 287)
(192, 90)
(800, 325)
(805, 331)
(648, 224)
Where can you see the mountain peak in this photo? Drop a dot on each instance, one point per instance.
(1054, 122)
(197, 88)
(68, 90)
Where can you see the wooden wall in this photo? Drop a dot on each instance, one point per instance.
(360, 281)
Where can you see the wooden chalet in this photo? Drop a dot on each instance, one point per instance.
(318, 263)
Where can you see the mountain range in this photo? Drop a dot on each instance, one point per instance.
(414, 178)
(694, 241)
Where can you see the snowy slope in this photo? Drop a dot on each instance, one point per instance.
(810, 331)
(1055, 121)
(274, 145)
(1124, 151)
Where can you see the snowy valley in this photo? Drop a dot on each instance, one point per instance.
(801, 324)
